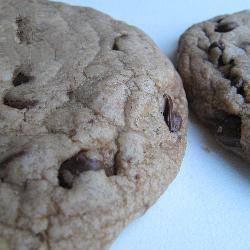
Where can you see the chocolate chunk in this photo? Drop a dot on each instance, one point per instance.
(168, 109)
(220, 61)
(232, 62)
(218, 44)
(229, 131)
(19, 104)
(77, 164)
(66, 178)
(115, 46)
(21, 78)
(238, 82)
(172, 118)
(226, 27)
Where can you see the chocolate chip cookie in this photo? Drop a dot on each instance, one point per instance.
(214, 62)
(93, 124)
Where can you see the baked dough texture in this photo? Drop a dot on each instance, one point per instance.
(93, 124)
(214, 63)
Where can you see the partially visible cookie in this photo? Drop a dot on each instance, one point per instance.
(93, 124)
(214, 62)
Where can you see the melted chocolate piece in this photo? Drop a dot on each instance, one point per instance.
(20, 104)
(226, 27)
(77, 164)
(172, 118)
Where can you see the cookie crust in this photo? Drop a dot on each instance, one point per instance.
(84, 145)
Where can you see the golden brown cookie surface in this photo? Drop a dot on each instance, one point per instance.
(92, 129)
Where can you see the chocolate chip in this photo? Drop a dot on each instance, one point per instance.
(15, 99)
(167, 113)
(114, 170)
(172, 118)
(229, 130)
(238, 82)
(240, 91)
(218, 44)
(220, 61)
(232, 62)
(115, 46)
(66, 178)
(226, 27)
(77, 164)
(21, 78)
(19, 104)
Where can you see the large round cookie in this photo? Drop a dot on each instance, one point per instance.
(214, 62)
(92, 130)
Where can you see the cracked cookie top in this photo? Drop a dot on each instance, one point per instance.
(214, 62)
(92, 125)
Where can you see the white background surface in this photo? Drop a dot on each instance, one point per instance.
(207, 207)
